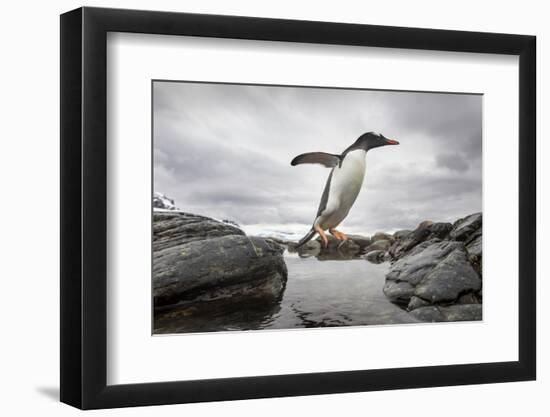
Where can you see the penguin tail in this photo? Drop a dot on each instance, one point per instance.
(306, 238)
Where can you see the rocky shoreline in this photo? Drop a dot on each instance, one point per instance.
(434, 272)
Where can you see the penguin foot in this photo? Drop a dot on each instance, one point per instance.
(338, 235)
(323, 235)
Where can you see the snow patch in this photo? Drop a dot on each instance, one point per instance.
(160, 201)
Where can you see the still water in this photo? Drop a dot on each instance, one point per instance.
(318, 293)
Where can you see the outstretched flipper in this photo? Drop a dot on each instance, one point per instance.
(328, 160)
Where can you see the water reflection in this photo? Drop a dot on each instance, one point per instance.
(318, 294)
(336, 251)
(216, 316)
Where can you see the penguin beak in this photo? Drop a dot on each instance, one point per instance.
(391, 142)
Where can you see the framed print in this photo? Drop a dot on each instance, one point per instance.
(258, 207)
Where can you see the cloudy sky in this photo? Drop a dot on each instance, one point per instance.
(224, 151)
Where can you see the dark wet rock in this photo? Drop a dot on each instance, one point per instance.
(376, 256)
(425, 231)
(231, 267)
(461, 312)
(401, 234)
(281, 242)
(382, 236)
(425, 223)
(197, 259)
(470, 298)
(451, 277)
(353, 241)
(474, 246)
(421, 260)
(416, 302)
(382, 245)
(464, 312)
(336, 250)
(361, 241)
(428, 314)
(435, 271)
(311, 248)
(334, 244)
(402, 246)
(464, 228)
(175, 228)
(231, 222)
(399, 292)
(440, 230)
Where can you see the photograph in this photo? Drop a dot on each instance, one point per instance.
(291, 207)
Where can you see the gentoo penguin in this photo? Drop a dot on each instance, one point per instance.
(343, 183)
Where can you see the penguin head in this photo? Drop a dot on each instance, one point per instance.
(372, 140)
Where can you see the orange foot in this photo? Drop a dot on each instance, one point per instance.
(322, 234)
(338, 235)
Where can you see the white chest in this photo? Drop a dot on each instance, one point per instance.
(349, 177)
(347, 181)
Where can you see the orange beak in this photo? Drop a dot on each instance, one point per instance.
(392, 142)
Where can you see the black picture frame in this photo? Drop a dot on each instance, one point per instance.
(84, 207)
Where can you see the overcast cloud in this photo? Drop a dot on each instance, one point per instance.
(225, 150)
